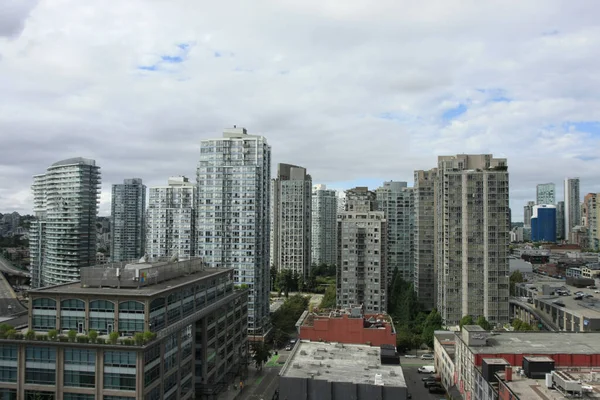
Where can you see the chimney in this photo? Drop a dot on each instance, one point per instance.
(508, 374)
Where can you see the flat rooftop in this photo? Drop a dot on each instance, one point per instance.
(588, 307)
(75, 288)
(535, 389)
(540, 343)
(335, 362)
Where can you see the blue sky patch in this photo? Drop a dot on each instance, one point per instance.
(217, 54)
(587, 158)
(592, 127)
(172, 59)
(148, 67)
(454, 112)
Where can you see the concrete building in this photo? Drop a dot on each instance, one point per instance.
(590, 212)
(335, 371)
(324, 226)
(572, 205)
(63, 233)
(233, 221)
(543, 223)
(170, 219)
(560, 220)
(528, 213)
(361, 268)
(545, 193)
(396, 200)
(350, 326)
(291, 219)
(128, 220)
(472, 238)
(444, 347)
(424, 238)
(199, 339)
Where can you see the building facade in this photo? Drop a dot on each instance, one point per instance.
(63, 234)
(424, 238)
(291, 219)
(543, 223)
(560, 220)
(324, 226)
(198, 338)
(572, 205)
(361, 267)
(545, 193)
(128, 220)
(233, 207)
(170, 219)
(590, 206)
(472, 238)
(528, 213)
(396, 200)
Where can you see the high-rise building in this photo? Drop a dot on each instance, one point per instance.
(324, 226)
(560, 220)
(543, 223)
(361, 268)
(472, 238)
(590, 216)
(424, 237)
(63, 234)
(545, 193)
(572, 205)
(395, 199)
(234, 177)
(171, 215)
(528, 213)
(291, 219)
(128, 220)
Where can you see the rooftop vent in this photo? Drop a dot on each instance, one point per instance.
(303, 352)
(296, 365)
(319, 358)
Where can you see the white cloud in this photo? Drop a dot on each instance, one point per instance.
(352, 90)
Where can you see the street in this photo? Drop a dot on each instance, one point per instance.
(413, 379)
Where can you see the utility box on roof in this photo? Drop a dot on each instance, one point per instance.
(537, 367)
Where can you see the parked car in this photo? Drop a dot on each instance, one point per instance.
(437, 390)
(596, 291)
(587, 296)
(275, 395)
(288, 347)
(431, 383)
(426, 369)
(410, 356)
(430, 378)
(427, 356)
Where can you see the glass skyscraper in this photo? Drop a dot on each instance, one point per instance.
(128, 223)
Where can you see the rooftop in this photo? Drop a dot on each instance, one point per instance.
(335, 362)
(540, 343)
(535, 389)
(371, 320)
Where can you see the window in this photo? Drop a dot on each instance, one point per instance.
(78, 396)
(118, 398)
(8, 373)
(154, 394)
(102, 316)
(80, 368)
(151, 375)
(39, 395)
(157, 314)
(119, 359)
(102, 306)
(8, 352)
(8, 394)
(119, 381)
(72, 305)
(40, 376)
(44, 304)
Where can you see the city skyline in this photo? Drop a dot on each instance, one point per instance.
(319, 81)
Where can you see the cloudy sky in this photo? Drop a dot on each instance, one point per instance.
(357, 91)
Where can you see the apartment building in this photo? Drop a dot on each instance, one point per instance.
(170, 219)
(545, 193)
(291, 219)
(560, 220)
(324, 226)
(233, 221)
(572, 205)
(472, 237)
(181, 334)
(128, 220)
(590, 207)
(528, 213)
(396, 200)
(424, 238)
(63, 233)
(361, 268)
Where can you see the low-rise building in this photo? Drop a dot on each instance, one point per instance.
(348, 326)
(574, 272)
(166, 330)
(591, 271)
(444, 346)
(336, 371)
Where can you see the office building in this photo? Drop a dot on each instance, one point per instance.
(234, 177)
(528, 213)
(590, 216)
(361, 268)
(572, 205)
(424, 238)
(63, 234)
(324, 226)
(543, 223)
(181, 334)
(560, 220)
(472, 238)
(396, 200)
(291, 219)
(545, 193)
(128, 220)
(170, 228)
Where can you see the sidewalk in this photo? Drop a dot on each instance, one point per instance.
(251, 383)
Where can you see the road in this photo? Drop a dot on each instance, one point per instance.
(9, 305)
(7, 267)
(414, 379)
(550, 325)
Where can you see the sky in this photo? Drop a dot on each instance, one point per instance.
(357, 91)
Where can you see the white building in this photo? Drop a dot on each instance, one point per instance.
(361, 269)
(324, 225)
(424, 237)
(63, 234)
(233, 227)
(572, 205)
(128, 220)
(291, 219)
(170, 219)
(545, 193)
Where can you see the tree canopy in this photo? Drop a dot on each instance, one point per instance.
(515, 277)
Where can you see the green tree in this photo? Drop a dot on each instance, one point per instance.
(329, 298)
(285, 281)
(482, 322)
(261, 354)
(466, 320)
(404, 339)
(301, 284)
(287, 315)
(72, 335)
(515, 277)
(273, 277)
(11, 333)
(53, 334)
(433, 322)
(149, 336)
(311, 282)
(30, 334)
(113, 338)
(93, 336)
(138, 338)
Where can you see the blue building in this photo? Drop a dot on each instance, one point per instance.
(543, 223)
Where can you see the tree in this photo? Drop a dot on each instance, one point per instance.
(466, 320)
(53, 334)
(301, 284)
(515, 277)
(287, 315)
(138, 338)
(72, 335)
(417, 342)
(273, 277)
(285, 281)
(404, 339)
(30, 334)
(149, 336)
(113, 337)
(261, 354)
(329, 298)
(482, 322)
(280, 337)
(11, 333)
(433, 322)
(93, 335)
